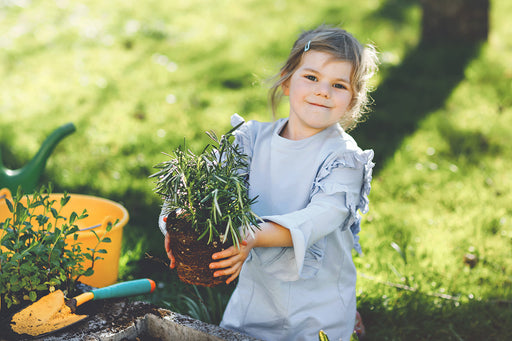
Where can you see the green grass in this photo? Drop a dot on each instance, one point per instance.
(137, 78)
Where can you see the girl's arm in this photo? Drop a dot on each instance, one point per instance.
(270, 234)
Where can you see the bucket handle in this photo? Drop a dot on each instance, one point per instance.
(106, 221)
(90, 227)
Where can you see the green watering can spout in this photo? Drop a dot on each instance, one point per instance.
(28, 176)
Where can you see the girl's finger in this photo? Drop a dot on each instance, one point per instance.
(230, 252)
(227, 271)
(169, 251)
(167, 242)
(171, 258)
(225, 263)
(233, 276)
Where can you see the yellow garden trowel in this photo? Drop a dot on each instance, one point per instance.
(52, 312)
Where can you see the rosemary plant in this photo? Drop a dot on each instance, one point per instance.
(210, 188)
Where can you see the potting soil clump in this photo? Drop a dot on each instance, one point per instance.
(193, 267)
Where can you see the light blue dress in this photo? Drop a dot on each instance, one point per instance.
(315, 187)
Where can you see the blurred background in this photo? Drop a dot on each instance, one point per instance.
(137, 78)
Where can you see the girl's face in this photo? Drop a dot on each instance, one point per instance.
(320, 94)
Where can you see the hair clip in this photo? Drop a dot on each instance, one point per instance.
(306, 48)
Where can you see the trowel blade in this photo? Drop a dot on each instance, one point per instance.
(47, 315)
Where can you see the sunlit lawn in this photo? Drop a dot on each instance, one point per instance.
(138, 77)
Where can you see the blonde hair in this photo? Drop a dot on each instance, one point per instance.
(344, 46)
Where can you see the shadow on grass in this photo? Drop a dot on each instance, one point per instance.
(415, 316)
(409, 93)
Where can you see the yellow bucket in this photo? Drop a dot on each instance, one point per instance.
(101, 212)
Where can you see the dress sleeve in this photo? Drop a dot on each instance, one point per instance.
(243, 135)
(164, 212)
(339, 192)
(161, 222)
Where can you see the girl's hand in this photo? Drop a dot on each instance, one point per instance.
(169, 251)
(230, 261)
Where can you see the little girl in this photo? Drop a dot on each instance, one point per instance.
(296, 274)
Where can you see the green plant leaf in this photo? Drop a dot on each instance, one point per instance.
(97, 238)
(42, 287)
(53, 281)
(9, 205)
(8, 301)
(110, 225)
(54, 212)
(72, 218)
(42, 219)
(64, 200)
(89, 272)
(84, 214)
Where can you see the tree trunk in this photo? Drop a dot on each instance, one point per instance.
(453, 21)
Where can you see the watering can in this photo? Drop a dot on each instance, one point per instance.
(28, 176)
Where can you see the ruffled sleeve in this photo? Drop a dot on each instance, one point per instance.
(356, 198)
(339, 192)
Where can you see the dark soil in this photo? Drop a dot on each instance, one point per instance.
(193, 256)
(117, 315)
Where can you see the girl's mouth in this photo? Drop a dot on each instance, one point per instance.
(319, 105)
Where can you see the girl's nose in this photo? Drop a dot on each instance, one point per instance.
(322, 90)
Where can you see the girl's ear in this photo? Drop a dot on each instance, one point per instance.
(286, 90)
(286, 87)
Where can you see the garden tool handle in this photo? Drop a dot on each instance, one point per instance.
(123, 289)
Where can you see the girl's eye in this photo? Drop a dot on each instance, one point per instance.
(311, 77)
(339, 86)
